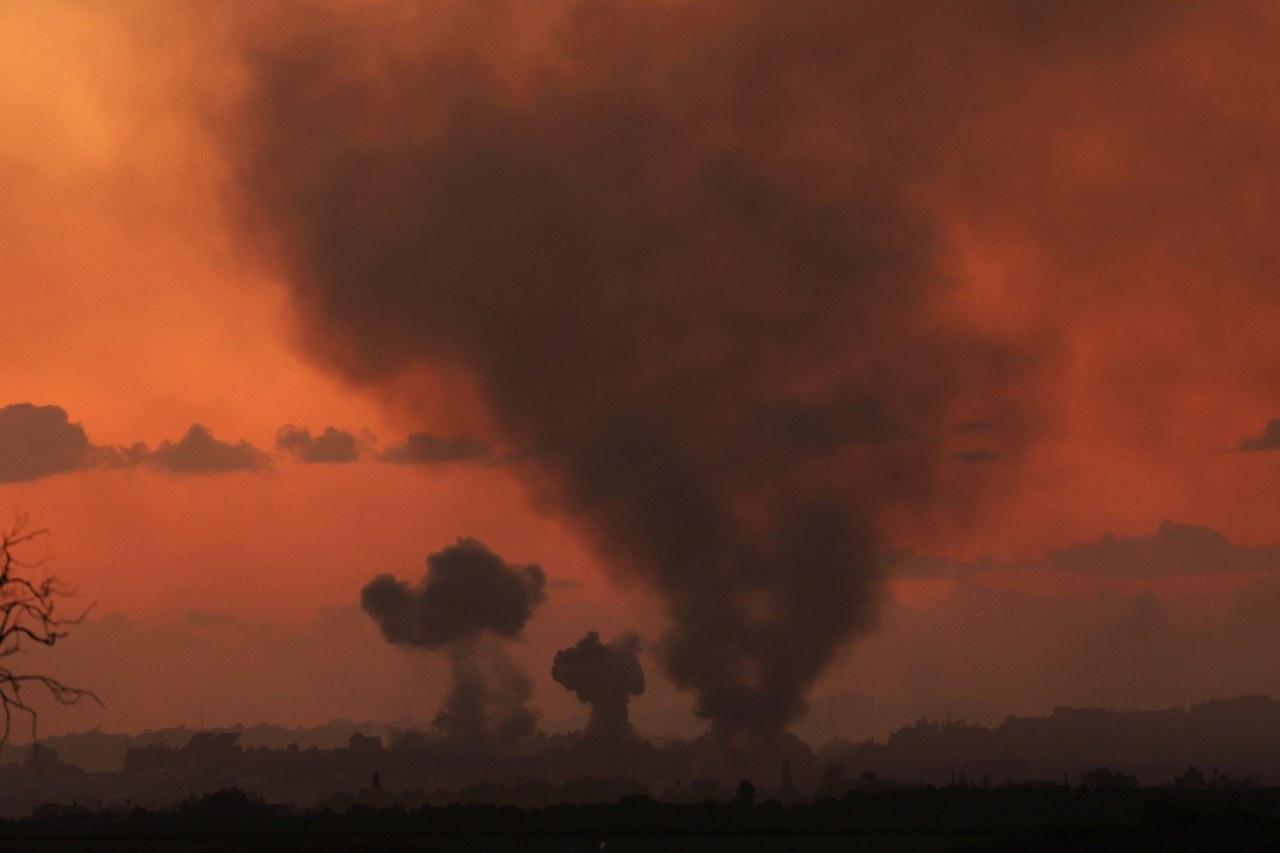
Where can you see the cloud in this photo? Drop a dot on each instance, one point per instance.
(910, 564)
(972, 426)
(1174, 549)
(198, 452)
(975, 456)
(1269, 440)
(421, 448)
(822, 427)
(332, 445)
(564, 584)
(37, 441)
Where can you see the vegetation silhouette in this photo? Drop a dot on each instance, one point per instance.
(1011, 817)
(29, 596)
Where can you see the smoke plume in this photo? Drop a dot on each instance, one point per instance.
(604, 677)
(488, 701)
(681, 253)
(467, 593)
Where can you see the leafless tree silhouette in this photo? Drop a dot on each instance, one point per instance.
(28, 599)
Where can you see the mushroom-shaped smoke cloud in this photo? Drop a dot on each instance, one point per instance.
(467, 589)
(468, 592)
(604, 677)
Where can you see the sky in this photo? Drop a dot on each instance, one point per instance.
(959, 315)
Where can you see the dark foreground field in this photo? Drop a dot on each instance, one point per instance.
(747, 842)
(927, 819)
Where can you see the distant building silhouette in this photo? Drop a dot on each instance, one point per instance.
(210, 754)
(151, 758)
(44, 761)
(1105, 779)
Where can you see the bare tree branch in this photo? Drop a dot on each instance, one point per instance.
(28, 610)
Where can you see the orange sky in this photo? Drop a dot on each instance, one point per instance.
(132, 302)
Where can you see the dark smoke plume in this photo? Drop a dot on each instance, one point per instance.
(467, 592)
(488, 700)
(1268, 440)
(677, 250)
(604, 677)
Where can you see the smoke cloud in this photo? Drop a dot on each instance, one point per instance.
(693, 260)
(604, 676)
(1268, 440)
(468, 592)
(488, 701)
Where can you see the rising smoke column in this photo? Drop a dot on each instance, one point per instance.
(467, 592)
(680, 252)
(604, 676)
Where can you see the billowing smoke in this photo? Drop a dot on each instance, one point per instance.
(468, 592)
(604, 676)
(682, 254)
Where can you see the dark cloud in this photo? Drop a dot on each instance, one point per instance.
(467, 590)
(198, 452)
(824, 427)
(910, 564)
(330, 446)
(121, 457)
(1174, 549)
(1268, 440)
(36, 441)
(972, 426)
(565, 584)
(604, 676)
(975, 456)
(421, 448)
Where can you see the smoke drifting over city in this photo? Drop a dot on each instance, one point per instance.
(712, 357)
(721, 278)
(467, 593)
